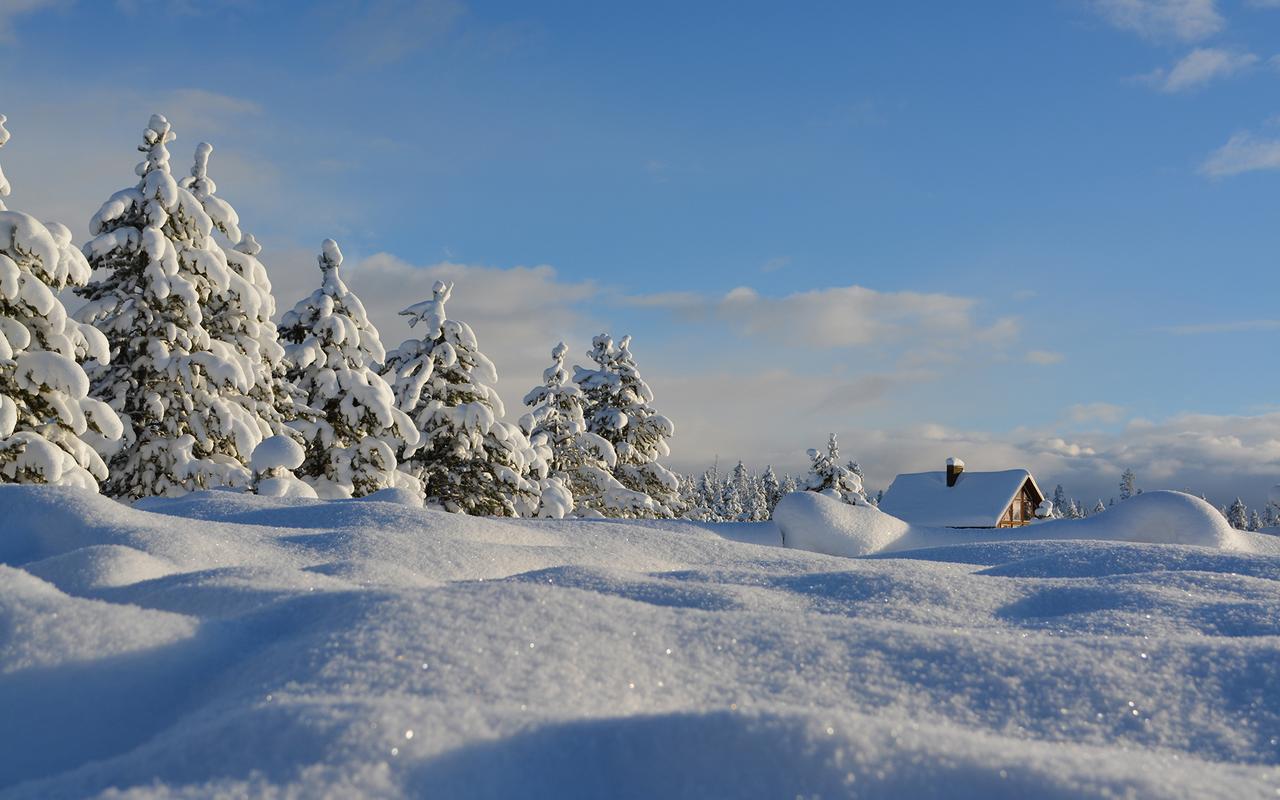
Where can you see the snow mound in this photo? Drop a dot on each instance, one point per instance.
(396, 495)
(822, 524)
(277, 452)
(1159, 517)
(100, 566)
(809, 521)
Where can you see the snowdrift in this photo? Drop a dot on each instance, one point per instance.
(222, 644)
(810, 521)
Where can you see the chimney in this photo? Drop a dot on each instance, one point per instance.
(954, 467)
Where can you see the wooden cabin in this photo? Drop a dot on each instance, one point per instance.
(954, 498)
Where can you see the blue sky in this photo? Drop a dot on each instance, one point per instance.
(1060, 216)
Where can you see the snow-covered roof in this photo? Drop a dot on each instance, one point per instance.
(976, 501)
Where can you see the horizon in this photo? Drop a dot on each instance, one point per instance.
(1076, 276)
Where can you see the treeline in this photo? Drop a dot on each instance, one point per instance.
(173, 376)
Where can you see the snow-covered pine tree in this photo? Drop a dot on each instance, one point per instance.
(789, 485)
(730, 507)
(772, 488)
(1128, 484)
(582, 460)
(618, 408)
(1059, 500)
(241, 315)
(468, 459)
(1073, 510)
(180, 392)
(1255, 520)
(827, 476)
(1238, 515)
(357, 430)
(1099, 507)
(50, 429)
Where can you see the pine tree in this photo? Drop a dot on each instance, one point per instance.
(179, 392)
(618, 408)
(730, 507)
(241, 315)
(50, 429)
(1059, 499)
(1073, 510)
(1128, 484)
(1238, 515)
(468, 460)
(356, 430)
(772, 488)
(1255, 521)
(1100, 507)
(789, 485)
(827, 476)
(582, 460)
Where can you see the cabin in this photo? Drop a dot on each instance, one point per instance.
(954, 498)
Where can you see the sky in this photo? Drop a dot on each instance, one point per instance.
(1023, 234)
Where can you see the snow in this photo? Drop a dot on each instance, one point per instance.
(224, 644)
(277, 452)
(811, 521)
(977, 500)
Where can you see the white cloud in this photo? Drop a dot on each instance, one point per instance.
(1185, 20)
(12, 9)
(1243, 152)
(1237, 326)
(842, 317)
(1201, 67)
(1043, 357)
(1095, 412)
(1220, 455)
(382, 32)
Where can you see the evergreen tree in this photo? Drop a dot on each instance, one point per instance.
(582, 460)
(1099, 508)
(789, 485)
(827, 476)
(1059, 499)
(179, 392)
(1073, 510)
(772, 489)
(356, 430)
(1238, 515)
(50, 429)
(241, 314)
(730, 507)
(1128, 485)
(1255, 521)
(469, 460)
(618, 408)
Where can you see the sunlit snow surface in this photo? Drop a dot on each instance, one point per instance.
(242, 645)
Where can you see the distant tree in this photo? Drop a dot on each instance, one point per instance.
(1255, 521)
(1073, 510)
(1099, 508)
(1238, 515)
(772, 488)
(1059, 498)
(1128, 485)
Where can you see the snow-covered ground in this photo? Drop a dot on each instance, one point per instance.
(242, 645)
